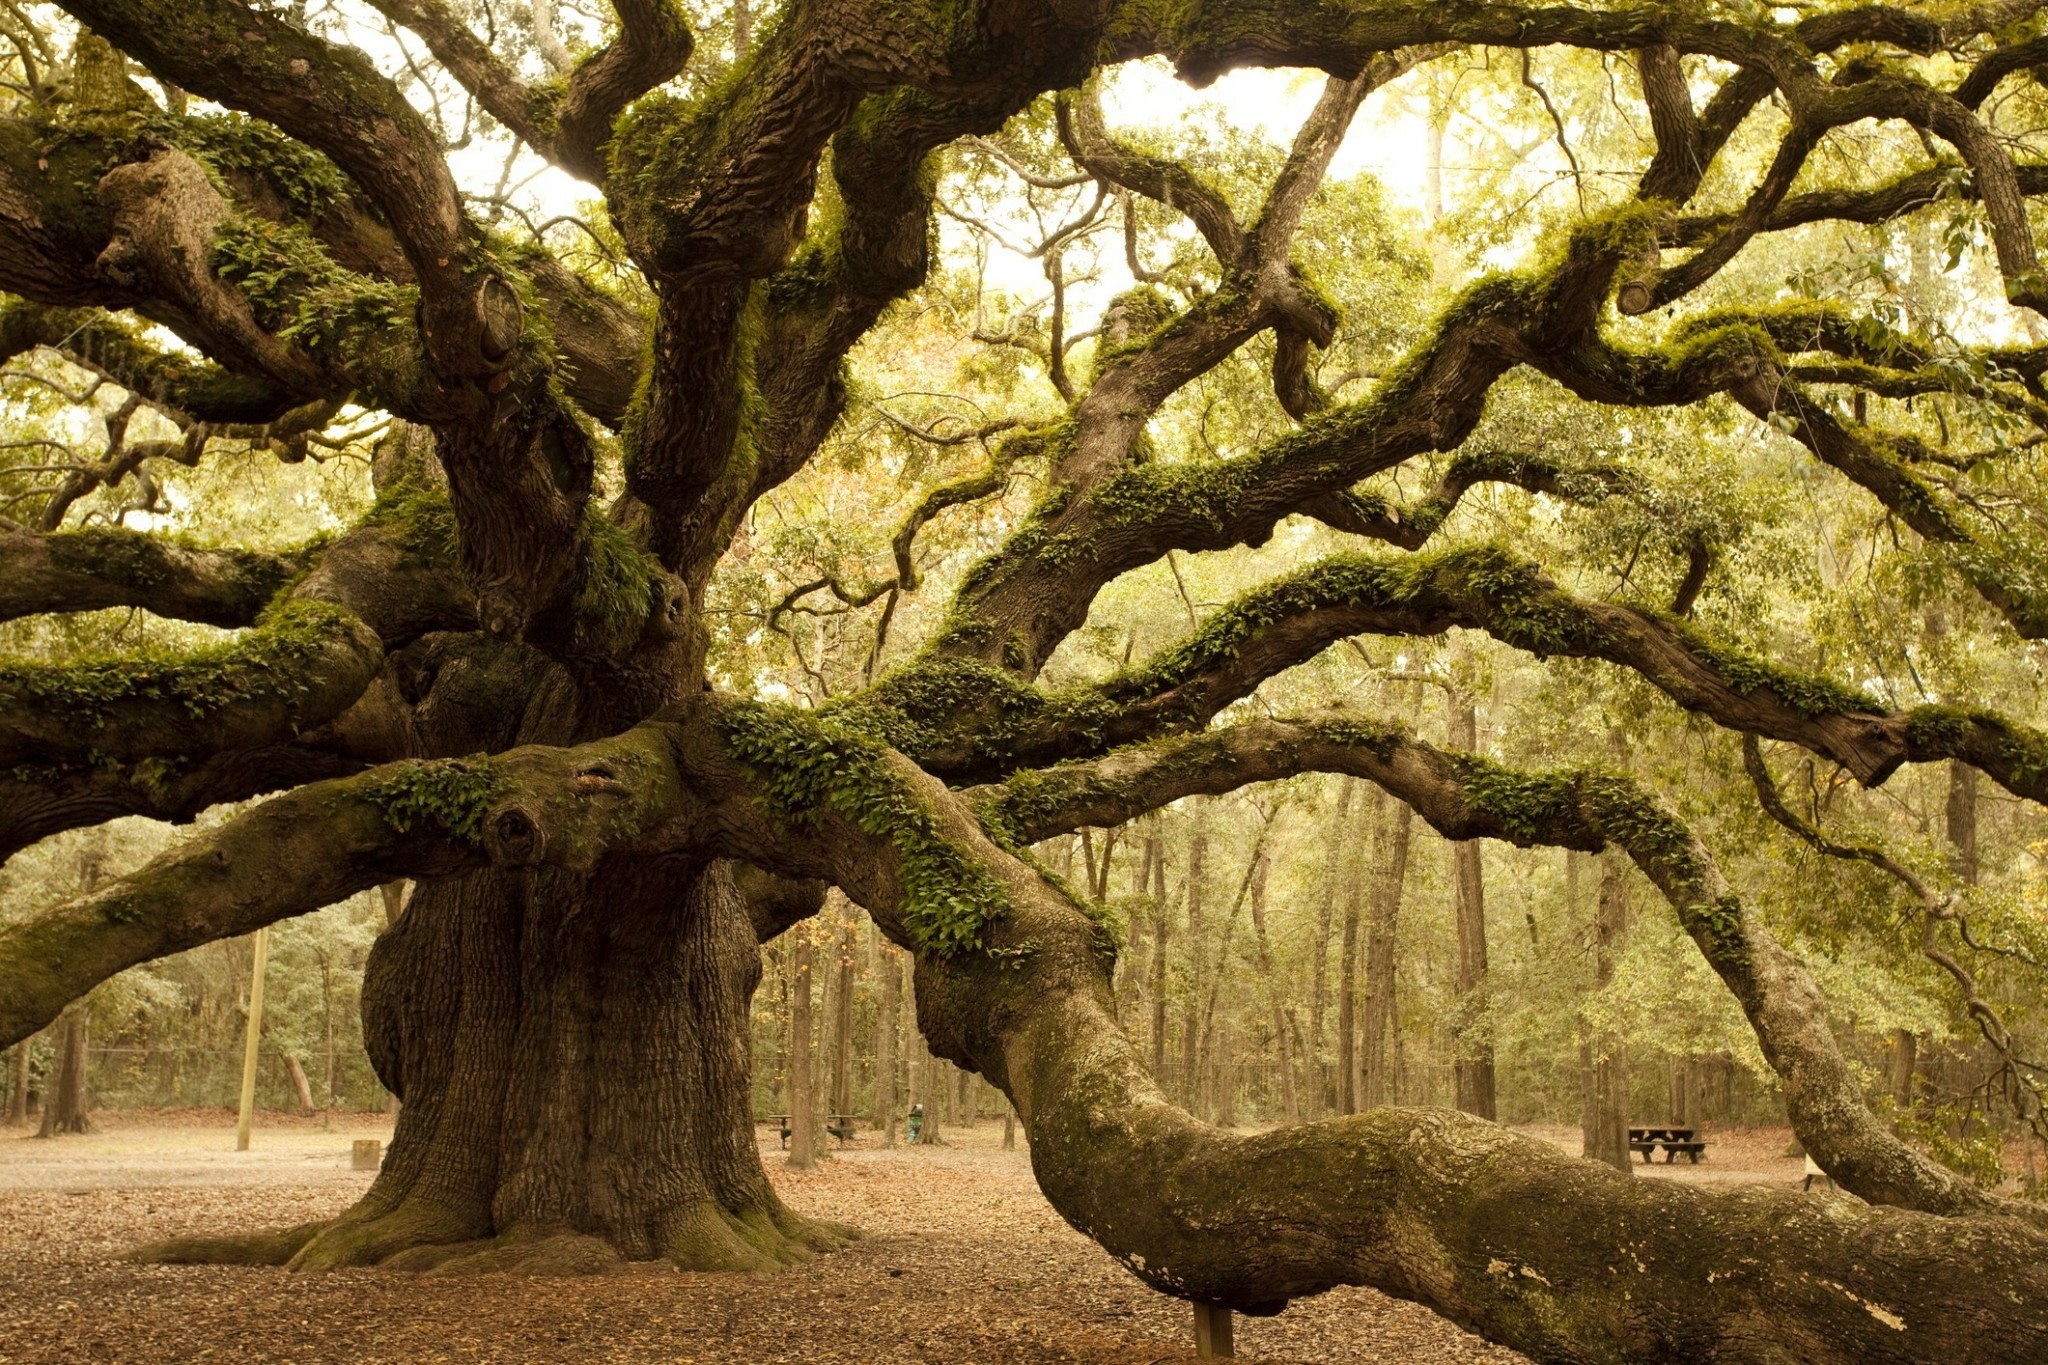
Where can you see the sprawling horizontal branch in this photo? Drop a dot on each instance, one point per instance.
(322, 842)
(106, 345)
(1466, 1218)
(38, 802)
(88, 570)
(1464, 797)
(292, 854)
(301, 667)
(969, 722)
(1740, 357)
(1014, 980)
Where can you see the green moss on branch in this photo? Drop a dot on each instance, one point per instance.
(809, 765)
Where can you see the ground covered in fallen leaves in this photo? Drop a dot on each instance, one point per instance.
(963, 1262)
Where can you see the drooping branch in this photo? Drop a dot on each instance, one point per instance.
(971, 723)
(1740, 356)
(2021, 1076)
(302, 666)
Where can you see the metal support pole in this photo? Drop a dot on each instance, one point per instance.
(248, 1114)
(1214, 1334)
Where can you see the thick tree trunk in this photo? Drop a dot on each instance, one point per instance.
(1604, 1120)
(575, 1082)
(1377, 1069)
(64, 1109)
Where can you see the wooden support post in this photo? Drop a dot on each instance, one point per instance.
(246, 1121)
(1214, 1335)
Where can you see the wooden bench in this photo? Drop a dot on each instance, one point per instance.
(1692, 1151)
(841, 1126)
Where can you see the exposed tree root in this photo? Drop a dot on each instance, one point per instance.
(703, 1237)
(251, 1248)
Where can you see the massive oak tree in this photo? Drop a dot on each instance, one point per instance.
(499, 682)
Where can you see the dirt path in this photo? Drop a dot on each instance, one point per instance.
(964, 1262)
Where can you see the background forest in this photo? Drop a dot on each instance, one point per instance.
(1307, 947)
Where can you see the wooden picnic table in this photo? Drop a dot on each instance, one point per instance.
(1671, 1138)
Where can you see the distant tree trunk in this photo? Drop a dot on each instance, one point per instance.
(1223, 1082)
(1319, 951)
(1687, 1086)
(842, 1020)
(888, 1008)
(302, 1089)
(1348, 1062)
(64, 1108)
(802, 1116)
(928, 1084)
(1192, 1061)
(17, 1104)
(1009, 1127)
(1290, 1106)
(1382, 927)
(935, 1097)
(1962, 838)
(1160, 930)
(1474, 1058)
(970, 1098)
(1604, 1118)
